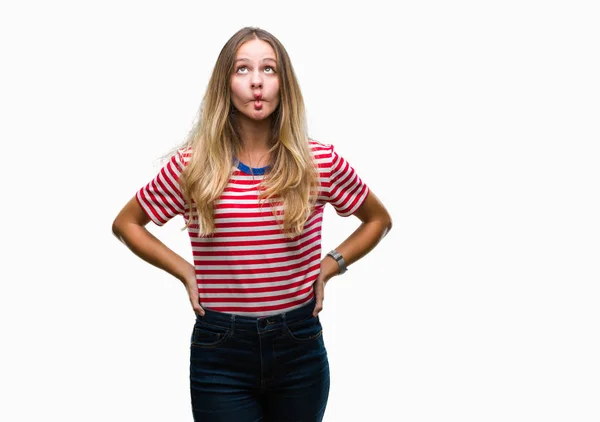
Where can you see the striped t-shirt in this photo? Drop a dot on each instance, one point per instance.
(248, 266)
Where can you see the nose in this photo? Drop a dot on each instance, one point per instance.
(256, 81)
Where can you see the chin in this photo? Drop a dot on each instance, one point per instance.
(260, 115)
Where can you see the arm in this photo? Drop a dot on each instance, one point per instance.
(129, 228)
(376, 223)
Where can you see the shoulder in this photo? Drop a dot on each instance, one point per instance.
(326, 154)
(318, 147)
(322, 152)
(182, 157)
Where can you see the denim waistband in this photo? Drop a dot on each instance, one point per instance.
(266, 323)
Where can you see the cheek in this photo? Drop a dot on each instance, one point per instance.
(278, 98)
(235, 89)
(275, 91)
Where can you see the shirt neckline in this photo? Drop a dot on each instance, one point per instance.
(251, 170)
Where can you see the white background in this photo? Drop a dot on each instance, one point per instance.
(474, 122)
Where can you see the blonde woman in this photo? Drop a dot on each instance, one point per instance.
(252, 187)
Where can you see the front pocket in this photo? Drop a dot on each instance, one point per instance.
(306, 330)
(205, 335)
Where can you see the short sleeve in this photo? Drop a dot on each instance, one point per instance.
(161, 198)
(347, 191)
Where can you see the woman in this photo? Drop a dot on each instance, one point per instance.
(258, 186)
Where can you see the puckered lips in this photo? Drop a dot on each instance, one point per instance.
(257, 101)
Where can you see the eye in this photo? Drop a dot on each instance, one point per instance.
(240, 67)
(270, 67)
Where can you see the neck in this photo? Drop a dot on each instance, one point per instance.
(255, 135)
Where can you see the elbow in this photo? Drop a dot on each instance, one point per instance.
(387, 225)
(116, 228)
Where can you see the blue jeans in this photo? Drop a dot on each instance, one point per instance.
(265, 369)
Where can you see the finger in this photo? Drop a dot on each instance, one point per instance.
(195, 301)
(319, 295)
(198, 310)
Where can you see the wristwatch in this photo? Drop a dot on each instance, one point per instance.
(340, 260)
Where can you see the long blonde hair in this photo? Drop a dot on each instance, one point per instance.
(292, 181)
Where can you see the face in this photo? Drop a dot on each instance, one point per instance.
(255, 82)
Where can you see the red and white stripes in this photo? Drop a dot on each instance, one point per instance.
(248, 267)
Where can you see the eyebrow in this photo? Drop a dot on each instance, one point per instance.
(247, 59)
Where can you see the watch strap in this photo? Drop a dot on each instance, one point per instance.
(340, 260)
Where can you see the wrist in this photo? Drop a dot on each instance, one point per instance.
(188, 276)
(329, 267)
(339, 264)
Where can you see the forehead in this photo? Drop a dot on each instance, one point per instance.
(256, 49)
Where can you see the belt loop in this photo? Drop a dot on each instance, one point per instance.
(232, 324)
